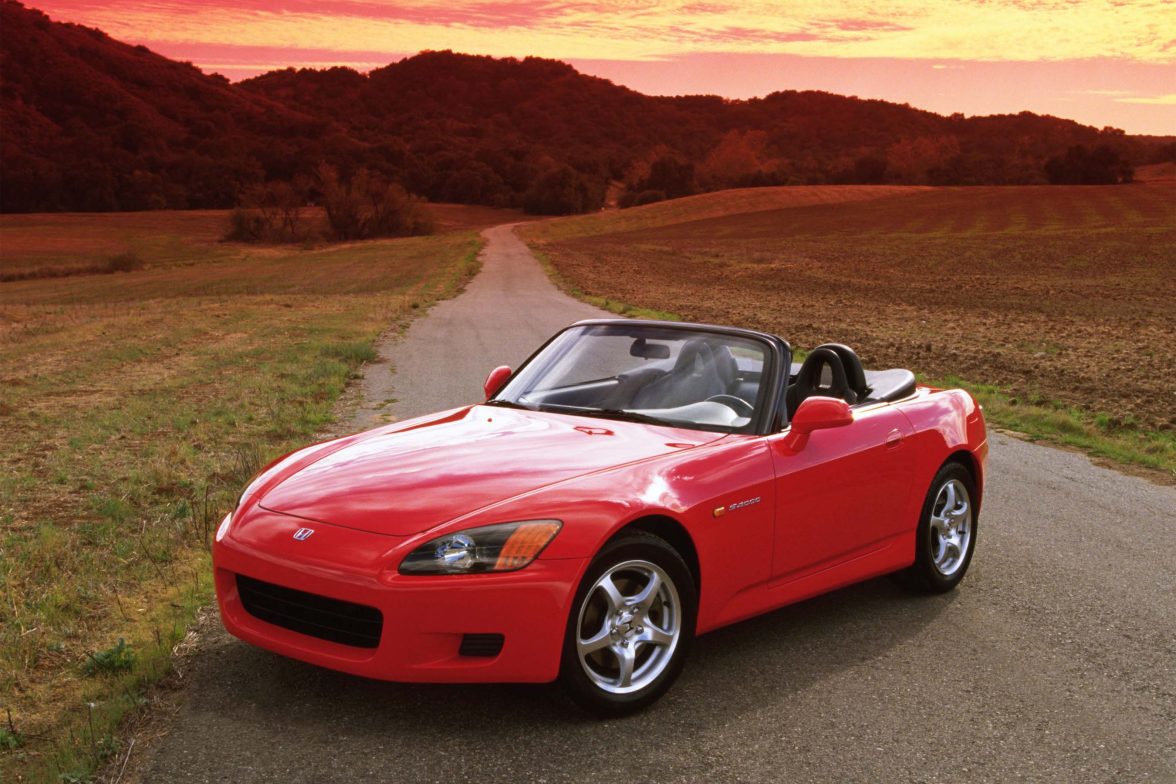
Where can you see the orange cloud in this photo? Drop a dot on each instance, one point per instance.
(641, 30)
(1157, 100)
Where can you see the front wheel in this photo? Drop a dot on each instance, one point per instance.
(630, 626)
(947, 531)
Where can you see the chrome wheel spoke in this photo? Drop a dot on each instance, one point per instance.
(653, 635)
(949, 499)
(602, 639)
(612, 594)
(649, 593)
(626, 658)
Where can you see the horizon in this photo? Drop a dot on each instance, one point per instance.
(1106, 66)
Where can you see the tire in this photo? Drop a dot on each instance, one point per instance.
(625, 645)
(946, 538)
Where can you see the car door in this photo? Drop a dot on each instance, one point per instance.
(840, 496)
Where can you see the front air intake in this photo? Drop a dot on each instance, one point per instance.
(307, 613)
(483, 645)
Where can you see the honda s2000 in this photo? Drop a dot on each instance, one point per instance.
(633, 484)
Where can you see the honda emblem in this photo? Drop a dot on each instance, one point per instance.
(302, 534)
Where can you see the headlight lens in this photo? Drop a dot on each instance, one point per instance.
(491, 548)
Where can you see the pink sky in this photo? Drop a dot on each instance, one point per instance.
(1101, 63)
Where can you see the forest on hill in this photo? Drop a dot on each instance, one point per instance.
(90, 123)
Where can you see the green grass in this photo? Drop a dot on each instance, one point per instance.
(115, 659)
(1038, 418)
(135, 407)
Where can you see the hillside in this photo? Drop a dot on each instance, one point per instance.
(94, 124)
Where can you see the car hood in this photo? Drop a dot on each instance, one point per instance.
(406, 479)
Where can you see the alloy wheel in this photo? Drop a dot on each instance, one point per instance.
(629, 625)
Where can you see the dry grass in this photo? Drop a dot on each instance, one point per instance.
(1060, 297)
(134, 407)
(720, 204)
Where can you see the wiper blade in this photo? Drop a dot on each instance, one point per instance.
(609, 413)
(633, 416)
(508, 404)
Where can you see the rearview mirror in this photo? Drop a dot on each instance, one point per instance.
(495, 380)
(817, 413)
(649, 350)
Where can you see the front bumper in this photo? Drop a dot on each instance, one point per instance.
(424, 617)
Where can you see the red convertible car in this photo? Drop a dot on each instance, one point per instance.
(632, 485)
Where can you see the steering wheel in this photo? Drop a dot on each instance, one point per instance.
(736, 404)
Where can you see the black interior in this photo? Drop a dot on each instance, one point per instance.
(890, 385)
(834, 370)
(706, 370)
(821, 375)
(855, 375)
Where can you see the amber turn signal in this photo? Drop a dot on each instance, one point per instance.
(525, 543)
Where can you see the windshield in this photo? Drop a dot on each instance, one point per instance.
(671, 376)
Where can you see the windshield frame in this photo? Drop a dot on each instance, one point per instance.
(768, 415)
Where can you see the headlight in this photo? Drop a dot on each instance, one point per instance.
(491, 548)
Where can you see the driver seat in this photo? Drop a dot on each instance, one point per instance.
(810, 380)
(855, 374)
(698, 373)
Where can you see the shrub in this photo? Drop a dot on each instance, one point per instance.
(118, 658)
(123, 262)
(269, 213)
(10, 739)
(368, 206)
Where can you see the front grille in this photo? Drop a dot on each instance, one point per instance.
(308, 613)
(481, 645)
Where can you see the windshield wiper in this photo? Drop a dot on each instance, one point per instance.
(508, 404)
(609, 413)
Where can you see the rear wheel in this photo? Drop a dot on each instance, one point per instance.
(947, 531)
(630, 626)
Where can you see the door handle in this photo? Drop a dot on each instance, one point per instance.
(894, 439)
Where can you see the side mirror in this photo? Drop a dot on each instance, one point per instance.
(495, 380)
(817, 413)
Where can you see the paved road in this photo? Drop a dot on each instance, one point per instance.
(505, 313)
(1055, 661)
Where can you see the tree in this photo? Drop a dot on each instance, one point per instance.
(671, 175)
(561, 191)
(739, 159)
(1079, 166)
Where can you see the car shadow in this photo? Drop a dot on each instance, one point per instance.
(745, 667)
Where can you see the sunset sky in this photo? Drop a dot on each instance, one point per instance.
(1101, 63)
